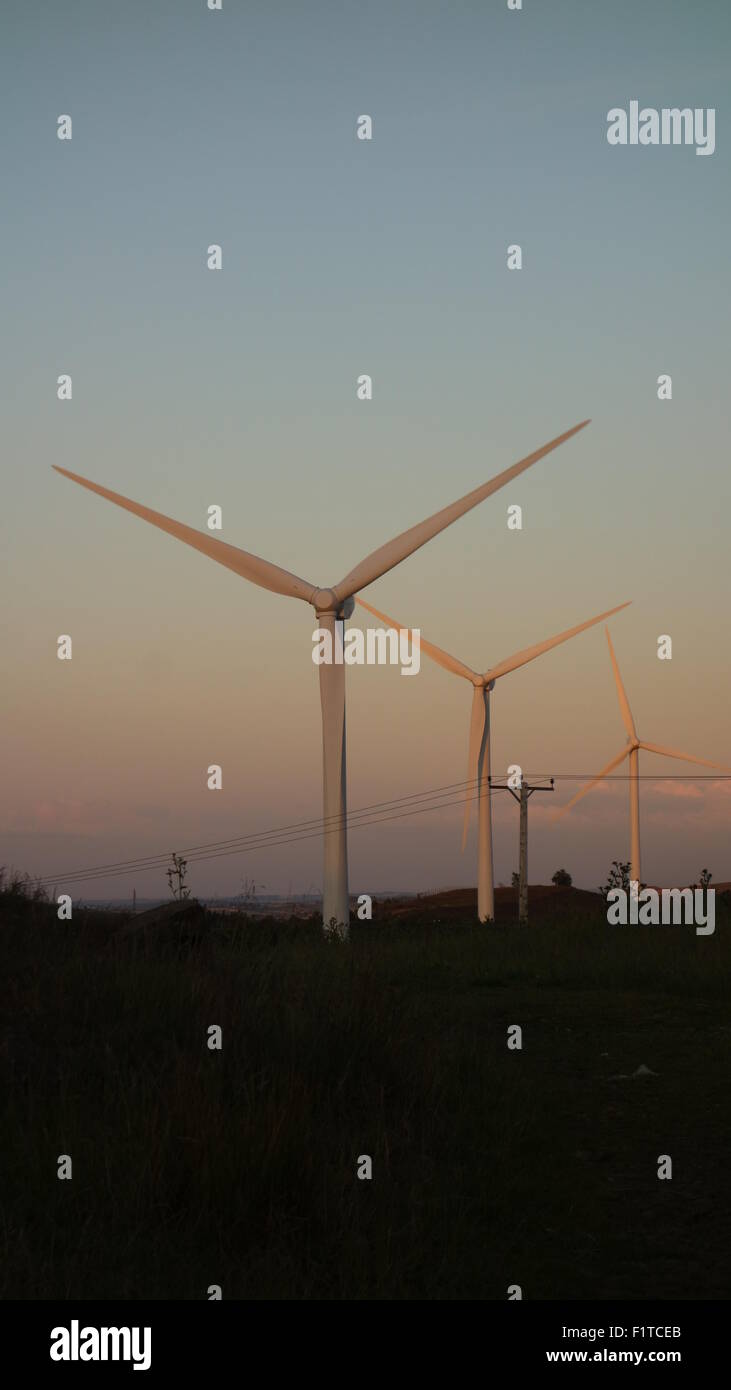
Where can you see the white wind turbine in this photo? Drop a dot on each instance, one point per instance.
(478, 764)
(632, 751)
(331, 605)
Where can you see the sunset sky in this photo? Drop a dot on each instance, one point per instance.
(238, 387)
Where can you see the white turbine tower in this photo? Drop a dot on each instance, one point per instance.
(331, 606)
(632, 751)
(478, 764)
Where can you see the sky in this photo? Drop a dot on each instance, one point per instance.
(237, 387)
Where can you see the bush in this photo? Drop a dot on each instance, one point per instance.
(15, 887)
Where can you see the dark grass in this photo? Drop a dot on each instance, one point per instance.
(490, 1167)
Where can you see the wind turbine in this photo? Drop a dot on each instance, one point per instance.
(478, 765)
(632, 751)
(331, 605)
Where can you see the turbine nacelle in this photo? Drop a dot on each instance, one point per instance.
(325, 601)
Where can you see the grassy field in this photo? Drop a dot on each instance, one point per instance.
(491, 1167)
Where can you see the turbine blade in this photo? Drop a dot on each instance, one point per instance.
(625, 710)
(604, 772)
(530, 653)
(450, 663)
(396, 550)
(684, 757)
(477, 729)
(258, 571)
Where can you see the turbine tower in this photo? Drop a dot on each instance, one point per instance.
(478, 765)
(632, 751)
(331, 605)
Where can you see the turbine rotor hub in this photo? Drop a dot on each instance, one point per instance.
(324, 601)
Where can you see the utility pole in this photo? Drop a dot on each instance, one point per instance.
(521, 796)
(523, 856)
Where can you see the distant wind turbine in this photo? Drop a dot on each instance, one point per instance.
(331, 605)
(632, 751)
(478, 765)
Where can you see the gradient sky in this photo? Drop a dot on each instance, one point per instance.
(238, 388)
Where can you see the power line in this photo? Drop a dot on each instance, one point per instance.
(315, 828)
(352, 822)
(333, 822)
